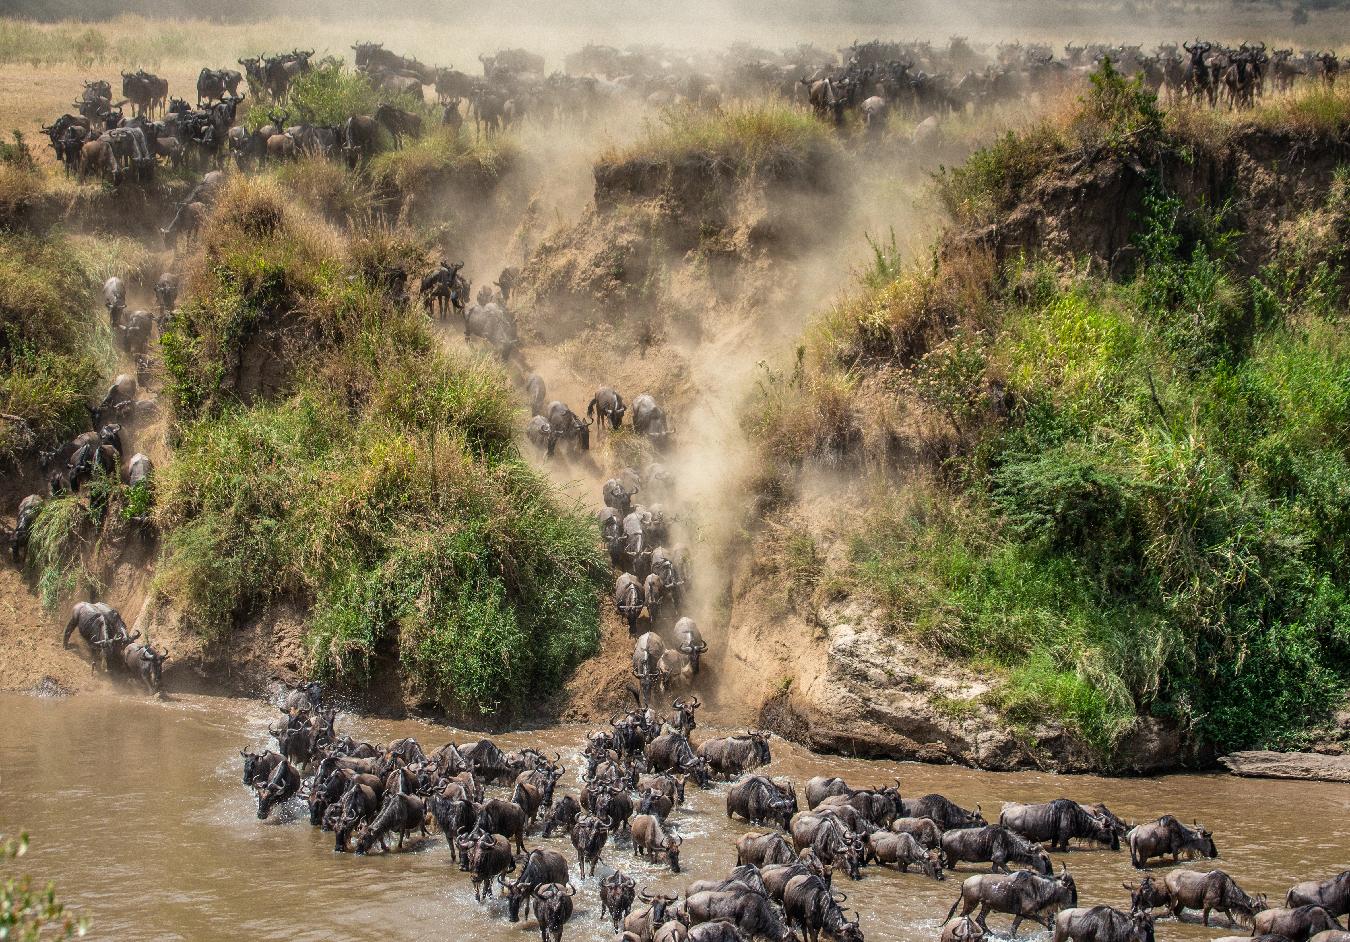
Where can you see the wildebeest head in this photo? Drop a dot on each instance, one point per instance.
(672, 849)
(154, 667)
(658, 902)
(1141, 926)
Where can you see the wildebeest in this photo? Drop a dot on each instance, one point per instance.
(752, 913)
(617, 496)
(652, 839)
(617, 892)
(29, 509)
(505, 818)
(925, 831)
(642, 925)
(628, 602)
(732, 756)
(1102, 924)
(826, 834)
(902, 851)
(217, 84)
(280, 787)
(568, 427)
(1058, 822)
(671, 752)
(400, 814)
(1333, 895)
(995, 844)
(115, 299)
(589, 836)
(650, 419)
(146, 665)
(1022, 895)
(258, 766)
(1297, 924)
(764, 849)
(488, 856)
(648, 648)
(810, 904)
(607, 406)
(538, 868)
(553, 908)
(537, 390)
(961, 929)
(1191, 889)
(166, 293)
(102, 628)
(687, 636)
(356, 807)
(540, 434)
(947, 814)
(494, 323)
(1167, 835)
(776, 877)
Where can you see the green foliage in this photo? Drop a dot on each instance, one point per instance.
(55, 548)
(51, 344)
(28, 914)
(1118, 112)
(379, 482)
(16, 153)
(1159, 523)
(994, 177)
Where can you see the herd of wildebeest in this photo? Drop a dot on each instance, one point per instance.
(867, 79)
(633, 775)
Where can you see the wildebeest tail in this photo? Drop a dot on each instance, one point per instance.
(952, 912)
(590, 408)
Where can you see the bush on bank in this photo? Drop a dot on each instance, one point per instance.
(378, 480)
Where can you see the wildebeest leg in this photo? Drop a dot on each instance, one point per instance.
(1017, 921)
(984, 911)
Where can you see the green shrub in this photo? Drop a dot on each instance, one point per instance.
(52, 345)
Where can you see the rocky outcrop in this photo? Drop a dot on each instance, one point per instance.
(1309, 766)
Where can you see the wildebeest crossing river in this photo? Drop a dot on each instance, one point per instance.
(136, 808)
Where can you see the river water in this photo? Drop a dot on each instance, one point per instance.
(137, 810)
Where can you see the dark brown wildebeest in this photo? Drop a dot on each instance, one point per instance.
(776, 877)
(810, 904)
(764, 849)
(947, 814)
(606, 406)
(759, 801)
(1102, 924)
(617, 892)
(1297, 924)
(995, 844)
(553, 908)
(358, 805)
(1333, 895)
(827, 834)
(281, 785)
(400, 814)
(505, 818)
(589, 836)
(1058, 822)
(102, 628)
(146, 665)
(732, 756)
(1167, 835)
(399, 123)
(1191, 889)
(1022, 895)
(489, 856)
(750, 912)
(539, 867)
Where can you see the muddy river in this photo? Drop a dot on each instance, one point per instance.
(137, 810)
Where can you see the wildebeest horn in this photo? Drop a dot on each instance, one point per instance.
(609, 823)
(838, 897)
(570, 890)
(644, 895)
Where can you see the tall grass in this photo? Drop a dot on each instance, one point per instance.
(747, 137)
